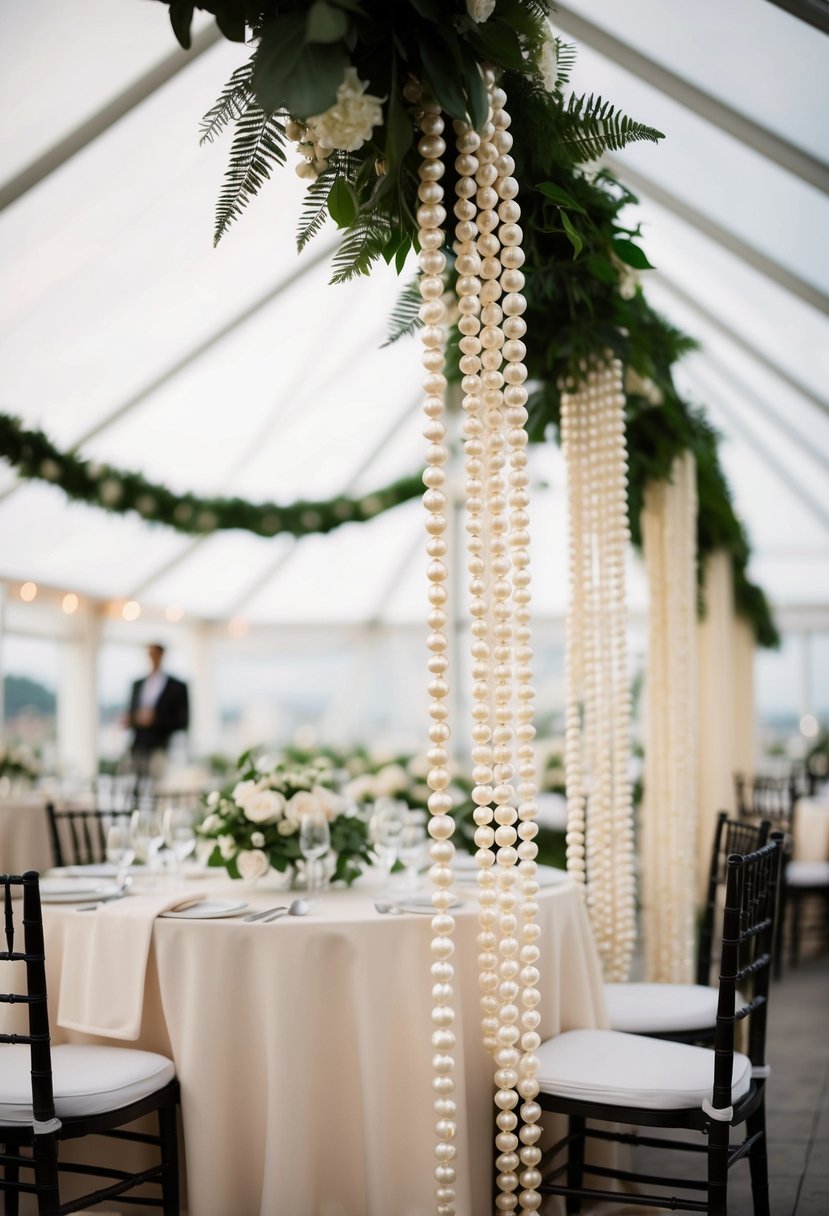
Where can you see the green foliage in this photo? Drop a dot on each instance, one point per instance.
(234, 99)
(405, 317)
(258, 145)
(590, 126)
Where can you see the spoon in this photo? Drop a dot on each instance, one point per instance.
(300, 907)
(390, 909)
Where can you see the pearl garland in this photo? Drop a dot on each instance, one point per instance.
(489, 258)
(597, 729)
(669, 822)
(430, 217)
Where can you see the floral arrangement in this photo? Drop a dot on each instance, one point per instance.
(254, 821)
(18, 762)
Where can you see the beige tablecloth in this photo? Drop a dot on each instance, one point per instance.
(24, 834)
(303, 1050)
(811, 829)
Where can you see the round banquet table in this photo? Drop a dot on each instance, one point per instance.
(303, 1049)
(24, 834)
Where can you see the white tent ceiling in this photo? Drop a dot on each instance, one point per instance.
(239, 371)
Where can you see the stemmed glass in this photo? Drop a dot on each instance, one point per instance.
(413, 846)
(119, 851)
(314, 843)
(179, 836)
(147, 836)
(385, 830)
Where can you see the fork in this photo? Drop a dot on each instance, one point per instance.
(261, 915)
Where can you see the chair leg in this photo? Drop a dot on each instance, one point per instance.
(168, 1132)
(11, 1173)
(758, 1161)
(794, 930)
(575, 1162)
(718, 1141)
(780, 933)
(46, 1174)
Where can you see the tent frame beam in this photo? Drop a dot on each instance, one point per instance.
(787, 155)
(121, 105)
(793, 283)
(813, 12)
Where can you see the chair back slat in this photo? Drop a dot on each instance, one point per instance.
(748, 936)
(730, 836)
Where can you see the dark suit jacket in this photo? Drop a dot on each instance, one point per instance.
(172, 713)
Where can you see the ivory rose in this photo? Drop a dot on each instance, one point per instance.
(349, 123)
(480, 10)
(264, 806)
(252, 863)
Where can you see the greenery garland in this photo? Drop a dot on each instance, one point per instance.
(117, 490)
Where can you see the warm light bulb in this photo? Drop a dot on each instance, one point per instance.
(174, 612)
(131, 610)
(28, 592)
(69, 603)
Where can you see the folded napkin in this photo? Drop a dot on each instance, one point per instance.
(105, 957)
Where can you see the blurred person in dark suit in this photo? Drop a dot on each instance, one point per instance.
(159, 706)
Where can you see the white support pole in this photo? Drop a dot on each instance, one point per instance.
(717, 735)
(204, 736)
(745, 721)
(77, 713)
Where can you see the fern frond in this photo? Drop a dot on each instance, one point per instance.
(315, 203)
(405, 317)
(229, 106)
(565, 59)
(362, 245)
(590, 126)
(257, 147)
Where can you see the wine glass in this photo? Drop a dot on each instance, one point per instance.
(412, 846)
(314, 843)
(147, 836)
(119, 851)
(179, 836)
(385, 829)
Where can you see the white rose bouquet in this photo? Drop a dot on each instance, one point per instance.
(18, 762)
(254, 821)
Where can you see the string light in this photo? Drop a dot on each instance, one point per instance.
(69, 603)
(28, 592)
(131, 611)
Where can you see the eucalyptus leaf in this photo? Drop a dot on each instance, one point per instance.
(631, 255)
(294, 75)
(476, 94)
(575, 238)
(181, 17)
(559, 195)
(601, 268)
(342, 203)
(399, 130)
(326, 23)
(442, 77)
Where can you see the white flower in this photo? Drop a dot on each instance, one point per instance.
(642, 386)
(265, 806)
(332, 804)
(419, 766)
(257, 839)
(211, 823)
(227, 847)
(243, 791)
(304, 802)
(351, 120)
(361, 789)
(548, 63)
(391, 780)
(287, 827)
(266, 764)
(213, 798)
(480, 10)
(252, 863)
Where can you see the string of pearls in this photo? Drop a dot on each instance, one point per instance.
(489, 258)
(430, 218)
(669, 822)
(600, 850)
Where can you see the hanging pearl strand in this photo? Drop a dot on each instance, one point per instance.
(600, 821)
(430, 217)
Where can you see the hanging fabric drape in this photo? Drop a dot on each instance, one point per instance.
(597, 741)
(669, 813)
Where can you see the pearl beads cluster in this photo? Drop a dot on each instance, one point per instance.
(315, 159)
(489, 260)
(597, 739)
(669, 521)
(430, 217)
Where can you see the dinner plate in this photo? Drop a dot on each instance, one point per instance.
(548, 876)
(104, 869)
(59, 891)
(208, 909)
(423, 903)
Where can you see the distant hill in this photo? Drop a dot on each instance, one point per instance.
(20, 693)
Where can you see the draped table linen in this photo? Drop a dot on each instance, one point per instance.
(24, 834)
(811, 829)
(303, 1048)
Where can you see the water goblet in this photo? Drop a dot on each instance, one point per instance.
(314, 843)
(385, 830)
(147, 835)
(119, 851)
(179, 835)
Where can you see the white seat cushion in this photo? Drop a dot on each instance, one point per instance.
(87, 1080)
(631, 1070)
(660, 1008)
(807, 874)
